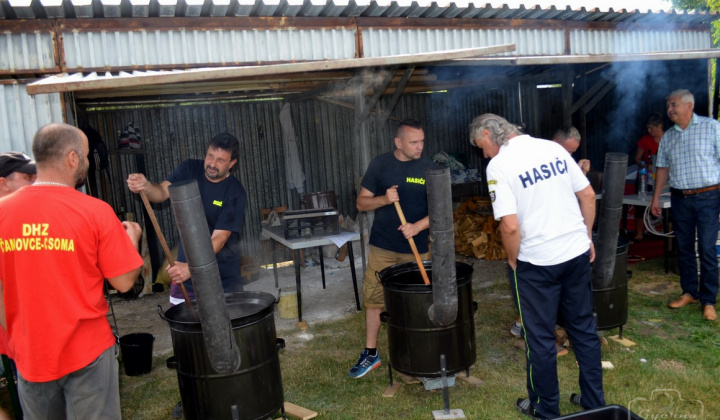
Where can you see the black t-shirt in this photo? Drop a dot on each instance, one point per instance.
(224, 204)
(383, 172)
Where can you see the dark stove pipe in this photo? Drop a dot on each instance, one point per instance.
(610, 212)
(222, 350)
(444, 309)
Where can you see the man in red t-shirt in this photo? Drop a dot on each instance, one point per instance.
(57, 247)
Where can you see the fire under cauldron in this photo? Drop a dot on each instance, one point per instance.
(252, 392)
(415, 342)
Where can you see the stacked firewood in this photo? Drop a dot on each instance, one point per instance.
(477, 233)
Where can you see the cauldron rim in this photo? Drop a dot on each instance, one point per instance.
(463, 276)
(261, 301)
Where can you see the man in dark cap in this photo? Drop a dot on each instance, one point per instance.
(16, 171)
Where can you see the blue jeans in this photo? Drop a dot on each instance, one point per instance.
(691, 215)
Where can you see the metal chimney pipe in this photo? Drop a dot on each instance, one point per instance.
(444, 309)
(608, 229)
(222, 350)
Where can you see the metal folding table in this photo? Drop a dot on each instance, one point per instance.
(277, 233)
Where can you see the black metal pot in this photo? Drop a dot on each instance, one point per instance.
(415, 343)
(610, 304)
(255, 390)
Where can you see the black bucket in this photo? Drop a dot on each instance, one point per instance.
(415, 343)
(255, 390)
(610, 304)
(136, 350)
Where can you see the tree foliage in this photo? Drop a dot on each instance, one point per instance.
(702, 5)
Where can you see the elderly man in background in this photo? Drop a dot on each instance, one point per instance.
(57, 247)
(546, 209)
(569, 138)
(688, 161)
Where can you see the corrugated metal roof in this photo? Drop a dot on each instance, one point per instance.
(333, 8)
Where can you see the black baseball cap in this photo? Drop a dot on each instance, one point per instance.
(16, 162)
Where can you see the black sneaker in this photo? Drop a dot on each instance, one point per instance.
(524, 406)
(575, 400)
(177, 411)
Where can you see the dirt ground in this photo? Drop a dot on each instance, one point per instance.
(141, 315)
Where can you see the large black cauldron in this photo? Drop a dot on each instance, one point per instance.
(414, 342)
(255, 390)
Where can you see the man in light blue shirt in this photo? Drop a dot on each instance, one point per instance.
(689, 162)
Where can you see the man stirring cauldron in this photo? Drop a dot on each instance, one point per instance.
(535, 188)
(397, 176)
(57, 247)
(224, 200)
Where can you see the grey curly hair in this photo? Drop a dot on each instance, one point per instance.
(500, 129)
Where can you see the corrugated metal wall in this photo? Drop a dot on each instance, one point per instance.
(626, 42)
(26, 51)
(21, 115)
(383, 42)
(106, 49)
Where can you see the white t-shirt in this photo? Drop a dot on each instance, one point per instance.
(537, 180)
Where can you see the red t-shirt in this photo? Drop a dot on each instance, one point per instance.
(57, 245)
(649, 145)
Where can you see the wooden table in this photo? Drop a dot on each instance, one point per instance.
(277, 233)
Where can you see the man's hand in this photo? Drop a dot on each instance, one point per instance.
(584, 165)
(655, 207)
(180, 272)
(391, 195)
(134, 231)
(409, 230)
(137, 183)
(592, 252)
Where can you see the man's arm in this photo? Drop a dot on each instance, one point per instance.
(367, 201)
(125, 282)
(510, 232)
(156, 193)
(586, 198)
(661, 178)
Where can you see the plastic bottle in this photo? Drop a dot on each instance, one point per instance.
(642, 180)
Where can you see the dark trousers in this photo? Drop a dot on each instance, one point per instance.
(691, 215)
(542, 292)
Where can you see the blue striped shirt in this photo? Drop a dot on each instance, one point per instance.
(692, 155)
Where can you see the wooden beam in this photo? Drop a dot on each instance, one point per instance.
(591, 103)
(396, 96)
(589, 94)
(70, 83)
(379, 89)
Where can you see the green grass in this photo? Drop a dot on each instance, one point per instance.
(680, 349)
